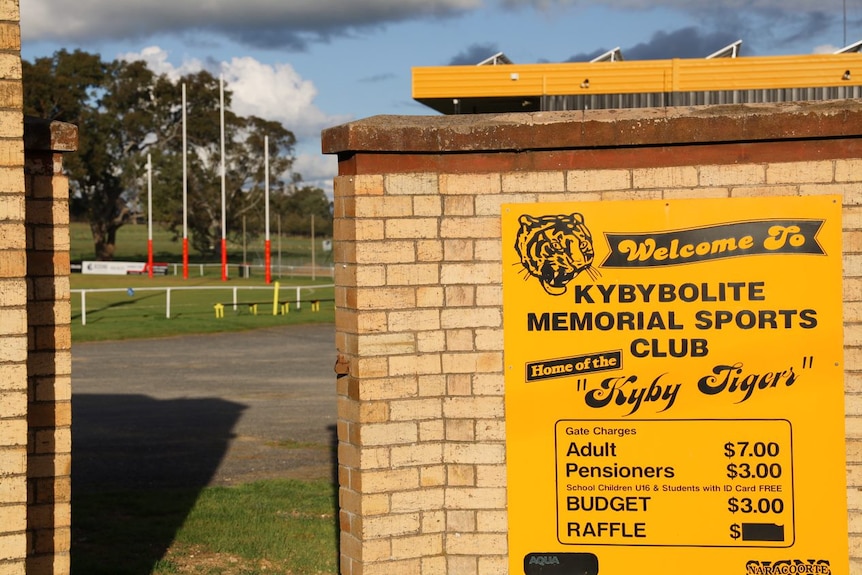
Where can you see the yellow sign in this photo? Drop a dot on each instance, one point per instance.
(674, 387)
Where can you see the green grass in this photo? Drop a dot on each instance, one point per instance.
(270, 527)
(131, 245)
(288, 522)
(143, 313)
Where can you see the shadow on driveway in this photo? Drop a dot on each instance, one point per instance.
(156, 421)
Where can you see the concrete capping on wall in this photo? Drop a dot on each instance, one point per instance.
(41, 135)
(421, 423)
(593, 129)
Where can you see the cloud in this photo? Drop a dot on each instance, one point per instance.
(806, 26)
(317, 170)
(694, 6)
(826, 49)
(157, 61)
(764, 25)
(259, 23)
(294, 24)
(474, 54)
(276, 93)
(687, 42)
(682, 43)
(273, 92)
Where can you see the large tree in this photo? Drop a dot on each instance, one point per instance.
(302, 203)
(124, 113)
(113, 106)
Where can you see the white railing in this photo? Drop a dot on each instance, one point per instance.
(168, 290)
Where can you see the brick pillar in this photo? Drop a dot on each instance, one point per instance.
(13, 302)
(421, 457)
(49, 347)
(418, 257)
(35, 335)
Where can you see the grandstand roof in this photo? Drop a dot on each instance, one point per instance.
(498, 85)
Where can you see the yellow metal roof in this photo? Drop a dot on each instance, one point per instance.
(443, 87)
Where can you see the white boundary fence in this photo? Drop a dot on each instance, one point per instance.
(168, 290)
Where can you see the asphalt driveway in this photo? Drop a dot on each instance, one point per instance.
(201, 410)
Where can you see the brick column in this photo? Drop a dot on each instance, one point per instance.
(421, 443)
(13, 302)
(35, 336)
(418, 255)
(49, 353)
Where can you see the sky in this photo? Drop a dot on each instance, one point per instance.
(314, 64)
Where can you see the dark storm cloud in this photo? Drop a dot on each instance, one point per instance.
(588, 56)
(683, 43)
(474, 54)
(693, 6)
(761, 24)
(805, 26)
(294, 24)
(766, 28)
(260, 23)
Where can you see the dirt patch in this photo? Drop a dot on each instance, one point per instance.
(198, 561)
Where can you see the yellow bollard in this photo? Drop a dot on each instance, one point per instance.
(219, 310)
(275, 298)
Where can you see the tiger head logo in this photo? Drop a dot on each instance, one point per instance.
(555, 249)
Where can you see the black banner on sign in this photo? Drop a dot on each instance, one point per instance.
(732, 240)
(561, 564)
(575, 365)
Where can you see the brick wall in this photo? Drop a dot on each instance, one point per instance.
(13, 302)
(35, 343)
(49, 347)
(421, 427)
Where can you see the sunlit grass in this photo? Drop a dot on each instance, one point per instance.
(141, 307)
(271, 527)
(131, 245)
